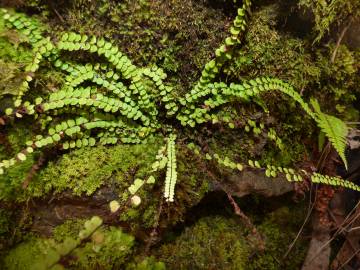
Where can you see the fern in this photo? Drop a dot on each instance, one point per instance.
(290, 174)
(117, 102)
(223, 54)
(219, 94)
(171, 174)
(335, 129)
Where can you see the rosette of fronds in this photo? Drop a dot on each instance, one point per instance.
(114, 101)
(121, 105)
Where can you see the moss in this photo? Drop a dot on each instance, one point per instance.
(149, 263)
(307, 67)
(25, 255)
(86, 169)
(212, 243)
(339, 80)
(332, 14)
(108, 248)
(279, 229)
(13, 57)
(190, 188)
(271, 56)
(221, 242)
(70, 228)
(10, 182)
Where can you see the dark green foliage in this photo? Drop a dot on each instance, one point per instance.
(331, 13)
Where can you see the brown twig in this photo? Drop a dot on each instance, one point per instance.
(59, 16)
(339, 231)
(343, 32)
(247, 222)
(240, 213)
(348, 260)
(309, 212)
(348, 240)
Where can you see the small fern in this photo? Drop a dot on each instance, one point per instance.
(335, 129)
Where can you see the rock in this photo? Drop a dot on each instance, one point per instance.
(252, 181)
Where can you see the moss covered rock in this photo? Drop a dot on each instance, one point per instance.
(212, 243)
(218, 242)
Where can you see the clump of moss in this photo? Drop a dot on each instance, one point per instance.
(279, 229)
(221, 242)
(149, 263)
(108, 248)
(84, 170)
(212, 243)
(70, 228)
(190, 188)
(26, 254)
(10, 182)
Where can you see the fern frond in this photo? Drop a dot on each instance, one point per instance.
(171, 174)
(222, 54)
(335, 129)
(291, 175)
